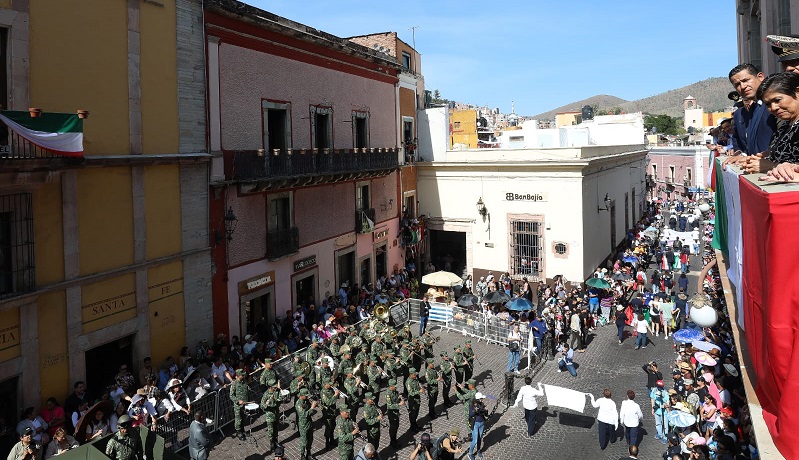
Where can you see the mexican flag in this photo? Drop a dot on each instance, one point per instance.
(60, 133)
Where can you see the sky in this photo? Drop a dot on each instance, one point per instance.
(542, 54)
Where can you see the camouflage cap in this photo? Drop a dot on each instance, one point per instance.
(240, 373)
(471, 382)
(412, 370)
(368, 395)
(392, 382)
(267, 361)
(430, 360)
(304, 392)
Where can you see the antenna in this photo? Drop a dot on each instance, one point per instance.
(413, 35)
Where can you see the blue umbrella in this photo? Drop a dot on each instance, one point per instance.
(680, 418)
(519, 304)
(630, 259)
(687, 335)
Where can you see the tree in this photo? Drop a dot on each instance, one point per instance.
(437, 100)
(663, 124)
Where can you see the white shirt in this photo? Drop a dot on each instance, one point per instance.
(630, 414)
(641, 326)
(527, 396)
(607, 411)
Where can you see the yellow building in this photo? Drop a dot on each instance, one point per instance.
(568, 118)
(463, 129)
(105, 256)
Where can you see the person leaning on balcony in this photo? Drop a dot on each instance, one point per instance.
(780, 93)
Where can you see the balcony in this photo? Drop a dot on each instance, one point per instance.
(280, 243)
(364, 220)
(258, 171)
(19, 154)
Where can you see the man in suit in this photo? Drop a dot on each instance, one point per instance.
(198, 438)
(753, 124)
(424, 313)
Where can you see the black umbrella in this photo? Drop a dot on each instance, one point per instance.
(468, 300)
(496, 297)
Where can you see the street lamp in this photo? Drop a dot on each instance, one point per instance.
(607, 202)
(230, 220)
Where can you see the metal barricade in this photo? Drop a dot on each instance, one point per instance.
(175, 429)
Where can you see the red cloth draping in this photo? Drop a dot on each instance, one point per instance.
(770, 222)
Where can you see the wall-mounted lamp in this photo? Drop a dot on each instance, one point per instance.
(230, 222)
(607, 202)
(483, 211)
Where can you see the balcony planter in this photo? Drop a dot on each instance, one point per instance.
(83, 114)
(35, 112)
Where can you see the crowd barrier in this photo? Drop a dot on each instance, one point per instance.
(218, 407)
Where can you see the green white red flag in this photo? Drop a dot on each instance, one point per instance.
(60, 133)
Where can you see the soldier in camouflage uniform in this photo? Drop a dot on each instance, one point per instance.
(414, 390)
(329, 397)
(305, 411)
(432, 378)
(353, 389)
(378, 349)
(390, 364)
(405, 363)
(345, 366)
(468, 354)
(362, 358)
(345, 432)
(124, 446)
(459, 363)
(323, 373)
(428, 341)
(270, 403)
(268, 375)
(372, 417)
(393, 403)
(296, 385)
(465, 395)
(312, 352)
(446, 378)
(373, 374)
(239, 392)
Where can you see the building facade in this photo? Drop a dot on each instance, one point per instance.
(303, 127)
(463, 129)
(757, 18)
(677, 171)
(106, 255)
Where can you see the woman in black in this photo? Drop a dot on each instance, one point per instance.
(780, 94)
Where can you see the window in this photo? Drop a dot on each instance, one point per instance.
(406, 60)
(784, 17)
(526, 243)
(626, 211)
(632, 193)
(277, 126)
(457, 125)
(281, 237)
(671, 173)
(17, 268)
(516, 138)
(407, 130)
(360, 129)
(280, 213)
(655, 171)
(561, 248)
(362, 197)
(689, 176)
(322, 127)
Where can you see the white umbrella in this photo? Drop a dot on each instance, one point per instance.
(442, 278)
(704, 346)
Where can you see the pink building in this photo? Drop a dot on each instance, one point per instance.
(677, 171)
(304, 125)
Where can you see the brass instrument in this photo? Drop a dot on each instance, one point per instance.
(344, 349)
(305, 368)
(381, 312)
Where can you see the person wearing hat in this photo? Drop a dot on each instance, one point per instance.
(279, 452)
(432, 378)
(660, 401)
(466, 395)
(692, 399)
(239, 393)
(787, 57)
(445, 371)
(345, 432)
(448, 445)
(328, 397)
(373, 417)
(414, 390)
(124, 445)
(305, 410)
(270, 404)
(268, 375)
(478, 414)
(393, 403)
(26, 449)
(352, 387)
(373, 374)
(459, 364)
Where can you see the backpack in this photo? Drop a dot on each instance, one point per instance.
(437, 446)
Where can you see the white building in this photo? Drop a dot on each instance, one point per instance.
(624, 129)
(533, 212)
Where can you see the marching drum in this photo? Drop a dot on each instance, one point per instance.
(285, 395)
(251, 409)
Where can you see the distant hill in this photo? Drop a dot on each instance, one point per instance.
(711, 94)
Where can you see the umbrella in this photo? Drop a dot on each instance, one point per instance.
(680, 418)
(630, 259)
(687, 335)
(519, 304)
(704, 358)
(468, 300)
(704, 346)
(598, 283)
(496, 297)
(442, 278)
(88, 417)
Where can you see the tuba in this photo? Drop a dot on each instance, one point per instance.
(381, 312)
(305, 368)
(344, 349)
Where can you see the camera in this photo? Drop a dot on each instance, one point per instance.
(424, 441)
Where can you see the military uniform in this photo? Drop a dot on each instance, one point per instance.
(446, 379)
(328, 399)
(373, 374)
(124, 447)
(378, 348)
(468, 354)
(431, 377)
(414, 390)
(343, 432)
(371, 414)
(323, 374)
(392, 412)
(296, 385)
(305, 410)
(270, 403)
(405, 363)
(353, 390)
(345, 366)
(459, 363)
(239, 392)
(312, 353)
(466, 396)
(390, 366)
(268, 376)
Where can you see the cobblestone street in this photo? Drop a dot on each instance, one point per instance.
(560, 433)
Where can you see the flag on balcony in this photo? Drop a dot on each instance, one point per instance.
(720, 230)
(59, 133)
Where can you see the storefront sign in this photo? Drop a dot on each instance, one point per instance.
(380, 234)
(9, 334)
(534, 197)
(302, 264)
(110, 306)
(252, 284)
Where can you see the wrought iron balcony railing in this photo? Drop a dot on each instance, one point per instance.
(364, 220)
(254, 165)
(280, 243)
(15, 147)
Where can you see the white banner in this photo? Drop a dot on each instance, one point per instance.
(566, 398)
(440, 312)
(732, 199)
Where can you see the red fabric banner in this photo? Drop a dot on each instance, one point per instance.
(769, 222)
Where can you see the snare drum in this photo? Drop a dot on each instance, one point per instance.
(251, 409)
(285, 395)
